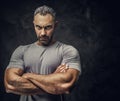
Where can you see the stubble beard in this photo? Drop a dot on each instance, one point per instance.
(45, 40)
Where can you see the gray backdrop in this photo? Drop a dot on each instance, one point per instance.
(90, 26)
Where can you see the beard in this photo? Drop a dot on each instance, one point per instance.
(45, 40)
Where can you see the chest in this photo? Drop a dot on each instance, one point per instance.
(42, 60)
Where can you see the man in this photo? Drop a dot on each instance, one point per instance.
(46, 69)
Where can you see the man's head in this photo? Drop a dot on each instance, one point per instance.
(44, 23)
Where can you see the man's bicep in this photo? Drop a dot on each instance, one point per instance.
(70, 77)
(71, 58)
(73, 73)
(15, 83)
(12, 73)
(14, 70)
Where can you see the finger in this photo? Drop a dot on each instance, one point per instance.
(63, 70)
(67, 66)
(59, 68)
(61, 65)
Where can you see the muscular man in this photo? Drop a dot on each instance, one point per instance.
(45, 69)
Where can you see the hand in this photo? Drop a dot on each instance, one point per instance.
(62, 68)
(26, 75)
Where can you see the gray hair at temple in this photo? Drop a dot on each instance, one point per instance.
(43, 10)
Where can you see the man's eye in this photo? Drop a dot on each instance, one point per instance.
(38, 27)
(48, 27)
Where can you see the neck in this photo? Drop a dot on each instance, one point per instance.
(40, 44)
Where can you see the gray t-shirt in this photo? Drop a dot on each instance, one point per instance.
(44, 60)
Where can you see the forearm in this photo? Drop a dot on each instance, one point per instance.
(15, 83)
(20, 87)
(20, 91)
(56, 83)
(48, 83)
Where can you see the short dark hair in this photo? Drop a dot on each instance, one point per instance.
(43, 10)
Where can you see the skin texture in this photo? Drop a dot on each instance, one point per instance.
(44, 27)
(58, 82)
(21, 83)
(15, 83)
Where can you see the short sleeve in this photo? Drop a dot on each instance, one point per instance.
(17, 58)
(71, 57)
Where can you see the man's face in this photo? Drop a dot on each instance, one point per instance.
(44, 27)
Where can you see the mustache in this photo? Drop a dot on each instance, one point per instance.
(43, 37)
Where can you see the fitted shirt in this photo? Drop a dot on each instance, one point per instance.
(44, 60)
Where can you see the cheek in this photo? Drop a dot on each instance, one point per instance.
(50, 33)
(37, 32)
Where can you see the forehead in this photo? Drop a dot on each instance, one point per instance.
(43, 19)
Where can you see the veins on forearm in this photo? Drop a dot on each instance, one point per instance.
(51, 83)
(25, 87)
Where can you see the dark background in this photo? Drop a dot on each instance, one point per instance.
(91, 26)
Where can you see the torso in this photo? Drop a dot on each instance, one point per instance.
(41, 59)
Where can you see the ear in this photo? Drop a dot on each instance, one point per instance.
(56, 23)
(33, 22)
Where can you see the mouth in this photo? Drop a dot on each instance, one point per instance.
(43, 38)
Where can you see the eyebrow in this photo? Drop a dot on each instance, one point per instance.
(38, 26)
(43, 26)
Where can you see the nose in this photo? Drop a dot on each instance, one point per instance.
(43, 32)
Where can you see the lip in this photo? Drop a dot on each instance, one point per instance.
(44, 38)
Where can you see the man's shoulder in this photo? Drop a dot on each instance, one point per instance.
(23, 47)
(68, 49)
(67, 46)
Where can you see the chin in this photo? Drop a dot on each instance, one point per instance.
(45, 43)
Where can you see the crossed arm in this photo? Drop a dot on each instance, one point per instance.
(15, 83)
(58, 82)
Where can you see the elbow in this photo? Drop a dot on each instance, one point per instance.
(66, 86)
(9, 88)
(62, 88)
(6, 88)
